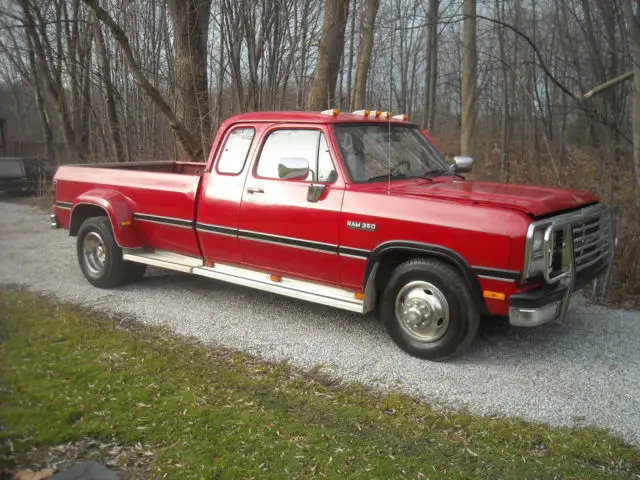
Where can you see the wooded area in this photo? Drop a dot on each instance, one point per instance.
(502, 80)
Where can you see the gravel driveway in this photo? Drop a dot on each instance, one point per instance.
(585, 371)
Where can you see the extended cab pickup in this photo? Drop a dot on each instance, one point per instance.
(357, 211)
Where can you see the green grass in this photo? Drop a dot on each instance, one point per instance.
(213, 413)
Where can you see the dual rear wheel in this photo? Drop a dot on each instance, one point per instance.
(100, 257)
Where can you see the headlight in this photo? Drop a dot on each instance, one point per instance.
(534, 262)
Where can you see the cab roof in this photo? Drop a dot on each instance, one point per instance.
(296, 116)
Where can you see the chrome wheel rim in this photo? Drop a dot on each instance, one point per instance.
(95, 254)
(422, 311)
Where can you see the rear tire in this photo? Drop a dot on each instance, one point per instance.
(428, 310)
(100, 257)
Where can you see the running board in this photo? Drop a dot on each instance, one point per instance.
(300, 289)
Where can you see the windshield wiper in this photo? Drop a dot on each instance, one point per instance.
(400, 175)
(385, 176)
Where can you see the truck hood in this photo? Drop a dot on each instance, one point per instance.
(535, 201)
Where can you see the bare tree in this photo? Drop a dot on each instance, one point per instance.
(431, 72)
(191, 26)
(469, 79)
(364, 55)
(633, 32)
(322, 90)
(191, 146)
(112, 114)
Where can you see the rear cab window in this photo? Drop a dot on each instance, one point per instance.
(235, 151)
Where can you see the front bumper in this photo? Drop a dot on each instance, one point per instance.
(53, 221)
(538, 306)
(552, 301)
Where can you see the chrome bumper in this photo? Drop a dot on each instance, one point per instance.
(53, 221)
(551, 302)
(532, 317)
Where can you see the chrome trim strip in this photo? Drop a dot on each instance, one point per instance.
(357, 257)
(352, 252)
(488, 277)
(170, 221)
(64, 205)
(290, 245)
(217, 230)
(496, 273)
(251, 232)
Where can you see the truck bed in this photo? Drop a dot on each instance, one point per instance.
(160, 198)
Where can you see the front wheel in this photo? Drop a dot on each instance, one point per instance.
(428, 310)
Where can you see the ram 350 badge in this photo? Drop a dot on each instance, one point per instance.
(368, 227)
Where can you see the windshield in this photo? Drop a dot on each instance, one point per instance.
(365, 150)
(11, 169)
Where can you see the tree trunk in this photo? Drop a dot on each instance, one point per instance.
(364, 55)
(110, 99)
(633, 30)
(504, 135)
(352, 39)
(431, 71)
(469, 67)
(191, 27)
(325, 75)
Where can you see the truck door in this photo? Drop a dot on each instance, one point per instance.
(221, 193)
(286, 227)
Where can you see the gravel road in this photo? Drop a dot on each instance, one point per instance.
(585, 371)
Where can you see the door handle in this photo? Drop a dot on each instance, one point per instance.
(255, 191)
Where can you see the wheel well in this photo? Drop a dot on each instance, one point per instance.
(388, 261)
(81, 213)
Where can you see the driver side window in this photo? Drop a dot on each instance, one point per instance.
(296, 145)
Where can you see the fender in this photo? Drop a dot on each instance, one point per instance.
(119, 210)
(426, 249)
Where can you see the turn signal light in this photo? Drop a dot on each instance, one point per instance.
(358, 296)
(493, 295)
(275, 278)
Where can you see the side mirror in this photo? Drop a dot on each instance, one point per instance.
(463, 164)
(293, 168)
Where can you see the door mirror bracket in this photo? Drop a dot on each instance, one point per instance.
(315, 192)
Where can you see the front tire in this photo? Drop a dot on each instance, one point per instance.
(100, 257)
(428, 310)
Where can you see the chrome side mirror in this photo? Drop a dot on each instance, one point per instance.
(293, 168)
(463, 164)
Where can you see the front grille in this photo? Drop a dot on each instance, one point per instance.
(592, 239)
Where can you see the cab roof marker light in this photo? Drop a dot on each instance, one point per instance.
(378, 113)
(402, 116)
(361, 112)
(332, 111)
(385, 115)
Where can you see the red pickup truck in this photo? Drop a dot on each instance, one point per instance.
(357, 211)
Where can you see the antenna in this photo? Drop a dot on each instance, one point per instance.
(390, 77)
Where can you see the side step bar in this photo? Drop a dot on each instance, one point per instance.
(300, 289)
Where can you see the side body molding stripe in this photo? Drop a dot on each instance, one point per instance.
(371, 257)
